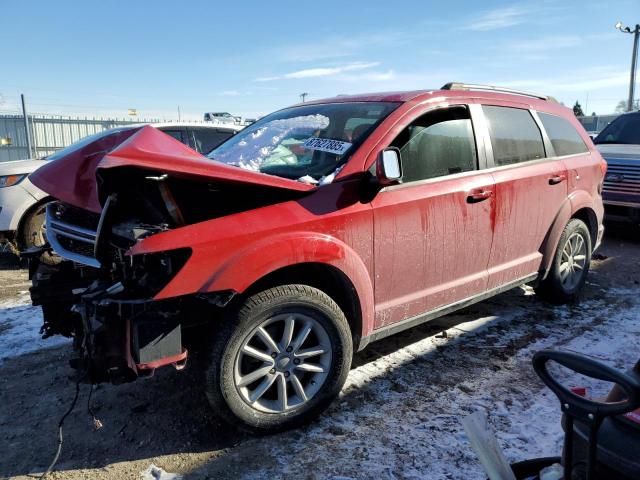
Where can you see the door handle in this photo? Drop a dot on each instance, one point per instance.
(556, 179)
(480, 195)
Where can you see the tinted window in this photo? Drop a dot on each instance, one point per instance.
(564, 138)
(624, 130)
(207, 138)
(437, 144)
(177, 134)
(515, 137)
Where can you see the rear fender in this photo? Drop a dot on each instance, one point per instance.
(553, 236)
(576, 201)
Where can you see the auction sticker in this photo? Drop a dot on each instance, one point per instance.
(327, 145)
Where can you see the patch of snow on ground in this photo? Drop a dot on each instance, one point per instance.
(399, 415)
(20, 324)
(157, 473)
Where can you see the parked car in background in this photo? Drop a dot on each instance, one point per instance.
(221, 117)
(317, 230)
(619, 144)
(22, 204)
(594, 124)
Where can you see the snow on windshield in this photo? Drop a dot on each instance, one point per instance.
(255, 147)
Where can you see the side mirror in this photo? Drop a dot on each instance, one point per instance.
(388, 168)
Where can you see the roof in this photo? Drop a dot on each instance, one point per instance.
(372, 97)
(448, 91)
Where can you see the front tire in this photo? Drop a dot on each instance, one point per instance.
(570, 265)
(34, 234)
(280, 360)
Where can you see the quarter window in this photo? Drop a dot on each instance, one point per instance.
(437, 144)
(564, 138)
(515, 137)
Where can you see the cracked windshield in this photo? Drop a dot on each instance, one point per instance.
(310, 143)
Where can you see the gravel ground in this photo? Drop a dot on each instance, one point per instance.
(398, 416)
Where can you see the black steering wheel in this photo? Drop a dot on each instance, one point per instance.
(580, 407)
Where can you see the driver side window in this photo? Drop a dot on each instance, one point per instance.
(437, 144)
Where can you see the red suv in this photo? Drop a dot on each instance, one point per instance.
(311, 233)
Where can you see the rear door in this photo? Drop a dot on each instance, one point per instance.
(530, 187)
(432, 233)
(584, 171)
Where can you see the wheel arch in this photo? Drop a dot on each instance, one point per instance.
(565, 214)
(326, 278)
(19, 238)
(588, 216)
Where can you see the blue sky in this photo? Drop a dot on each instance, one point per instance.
(250, 57)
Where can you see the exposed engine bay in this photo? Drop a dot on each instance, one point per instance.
(102, 296)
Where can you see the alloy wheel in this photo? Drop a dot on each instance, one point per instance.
(283, 363)
(573, 261)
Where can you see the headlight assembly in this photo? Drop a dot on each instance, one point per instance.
(10, 180)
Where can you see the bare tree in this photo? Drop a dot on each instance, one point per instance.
(621, 107)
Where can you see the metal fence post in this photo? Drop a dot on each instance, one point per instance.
(26, 127)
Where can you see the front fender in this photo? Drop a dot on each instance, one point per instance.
(247, 264)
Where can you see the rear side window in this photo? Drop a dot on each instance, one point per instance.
(564, 138)
(515, 137)
(437, 144)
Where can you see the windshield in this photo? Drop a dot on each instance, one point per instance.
(307, 143)
(625, 129)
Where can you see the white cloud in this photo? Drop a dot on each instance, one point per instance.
(337, 46)
(584, 80)
(550, 42)
(321, 71)
(500, 18)
(370, 77)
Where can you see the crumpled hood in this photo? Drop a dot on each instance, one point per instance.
(72, 178)
(622, 151)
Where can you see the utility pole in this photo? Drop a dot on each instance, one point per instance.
(178, 112)
(26, 127)
(304, 96)
(632, 81)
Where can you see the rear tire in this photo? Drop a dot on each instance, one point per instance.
(280, 360)
(570, 265)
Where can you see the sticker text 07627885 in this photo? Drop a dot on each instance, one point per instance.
(327, 145)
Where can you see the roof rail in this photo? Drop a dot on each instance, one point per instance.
(493, 88)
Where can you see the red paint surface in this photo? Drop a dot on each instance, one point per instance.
(408, 250)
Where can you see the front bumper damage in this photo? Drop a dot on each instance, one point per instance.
(125, 339)
(118, 339)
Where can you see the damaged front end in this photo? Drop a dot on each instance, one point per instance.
(103, 297)
(111, 300)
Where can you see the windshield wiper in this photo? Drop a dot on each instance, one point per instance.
(608, 142)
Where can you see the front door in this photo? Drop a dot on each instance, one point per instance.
(432, 232)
